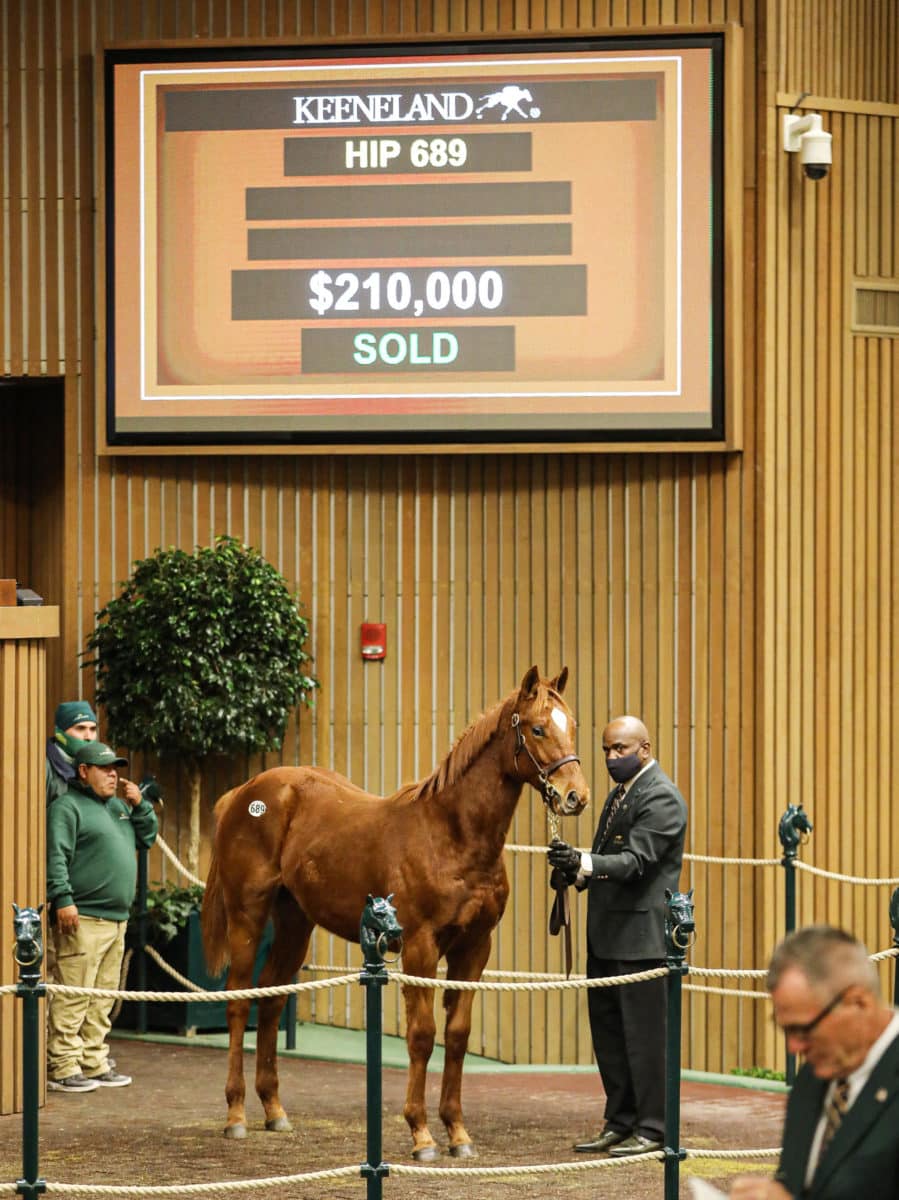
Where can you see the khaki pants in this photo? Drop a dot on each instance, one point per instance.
(78, 1025)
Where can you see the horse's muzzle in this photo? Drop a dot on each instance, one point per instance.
(573, 803)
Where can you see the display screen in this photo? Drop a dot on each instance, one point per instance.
(505, 242)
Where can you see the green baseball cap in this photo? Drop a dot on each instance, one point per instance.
(95, 754)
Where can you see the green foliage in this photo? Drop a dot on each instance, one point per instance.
(168, 910)
(201, 653)
(759, 1073)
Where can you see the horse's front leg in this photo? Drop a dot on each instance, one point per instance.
(466, 963)
(420, 1029)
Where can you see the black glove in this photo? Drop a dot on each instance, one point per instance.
(564, 858)
(559, 880)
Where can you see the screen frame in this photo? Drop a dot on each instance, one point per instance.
(725, 431)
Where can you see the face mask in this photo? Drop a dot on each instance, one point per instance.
(624, 768)
(70, 744)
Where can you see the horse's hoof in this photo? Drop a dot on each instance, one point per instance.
(425, 1153)
(235, 1131)
(279, 1125)
(463, 1150)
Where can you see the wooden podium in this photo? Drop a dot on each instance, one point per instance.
(23, 734)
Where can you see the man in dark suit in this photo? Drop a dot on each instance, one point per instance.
(637, 852)
(841, 1137)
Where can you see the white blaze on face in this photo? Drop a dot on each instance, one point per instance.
(560, 719)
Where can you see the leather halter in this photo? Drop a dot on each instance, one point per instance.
(547, 791)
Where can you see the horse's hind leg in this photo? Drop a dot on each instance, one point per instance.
(245, 926)
(292, 932)
(462, 963)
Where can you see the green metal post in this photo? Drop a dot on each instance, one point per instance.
(894, 921)
(679, 935)
(793, 824)
(373, 979)
(140, 972)
(30, 989)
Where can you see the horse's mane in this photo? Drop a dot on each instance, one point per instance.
(468, 745)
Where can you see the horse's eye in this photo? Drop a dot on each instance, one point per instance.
(539, 731)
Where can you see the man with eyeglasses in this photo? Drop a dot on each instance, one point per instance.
(841, 1136)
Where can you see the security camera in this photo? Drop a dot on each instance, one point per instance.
(806, 136)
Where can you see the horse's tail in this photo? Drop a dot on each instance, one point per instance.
(214, 917)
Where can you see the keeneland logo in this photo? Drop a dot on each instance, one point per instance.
(389, 108)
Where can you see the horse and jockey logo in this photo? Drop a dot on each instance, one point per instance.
(510, 99)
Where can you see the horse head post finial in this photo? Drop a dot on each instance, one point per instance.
(378, 928)
(28, 951)
(680, 928)
(794, 829)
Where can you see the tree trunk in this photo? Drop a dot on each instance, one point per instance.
(193, 845)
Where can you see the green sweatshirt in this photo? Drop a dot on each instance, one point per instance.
(91, 847)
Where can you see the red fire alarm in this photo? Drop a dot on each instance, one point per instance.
(374, 640)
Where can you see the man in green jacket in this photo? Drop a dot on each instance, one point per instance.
(92, 836)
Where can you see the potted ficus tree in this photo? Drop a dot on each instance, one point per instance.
(201, 654)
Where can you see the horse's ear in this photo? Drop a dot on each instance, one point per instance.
(16, 908)
(371, 899)
(668, 894)
(390, 898)
(558, 684)
(529, 684)
(690, 894)
(40, 908)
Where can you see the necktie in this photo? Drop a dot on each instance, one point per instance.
(615, 805)
(834, 1111)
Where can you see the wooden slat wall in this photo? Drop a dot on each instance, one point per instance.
(24, 636)
(828, 559)
(743, 604)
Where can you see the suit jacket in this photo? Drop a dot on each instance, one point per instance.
(635, 859)
(862, 1160)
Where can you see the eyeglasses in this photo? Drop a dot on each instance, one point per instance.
(805, 1031)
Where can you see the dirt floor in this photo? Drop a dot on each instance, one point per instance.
(167, 1129)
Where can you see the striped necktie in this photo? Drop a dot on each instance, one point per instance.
(834, 1112)
(614, 806)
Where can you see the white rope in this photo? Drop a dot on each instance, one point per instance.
(733, 862)
(469, 985)
(727, 973)
(530, 1169)
(881, 954)
(773, 1152)
(197, 1189)
(842, 878)
(170, 970)
(716, 991)
(173, 858)
(397, 1169)
(285, 989)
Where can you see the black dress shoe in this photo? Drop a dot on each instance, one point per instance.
(606, 1140)
(635, 1144)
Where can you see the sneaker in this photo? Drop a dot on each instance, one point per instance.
(110, 1079)
(74, 1083)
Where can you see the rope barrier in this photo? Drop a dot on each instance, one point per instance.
(197, 1189)
(395, 1169)
(173, 858)
(716, 991)
(842, 878)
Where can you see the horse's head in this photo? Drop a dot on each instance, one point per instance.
(679, 923)
(544, 743)
(794, 824)
(29, 948)
(379, 928)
